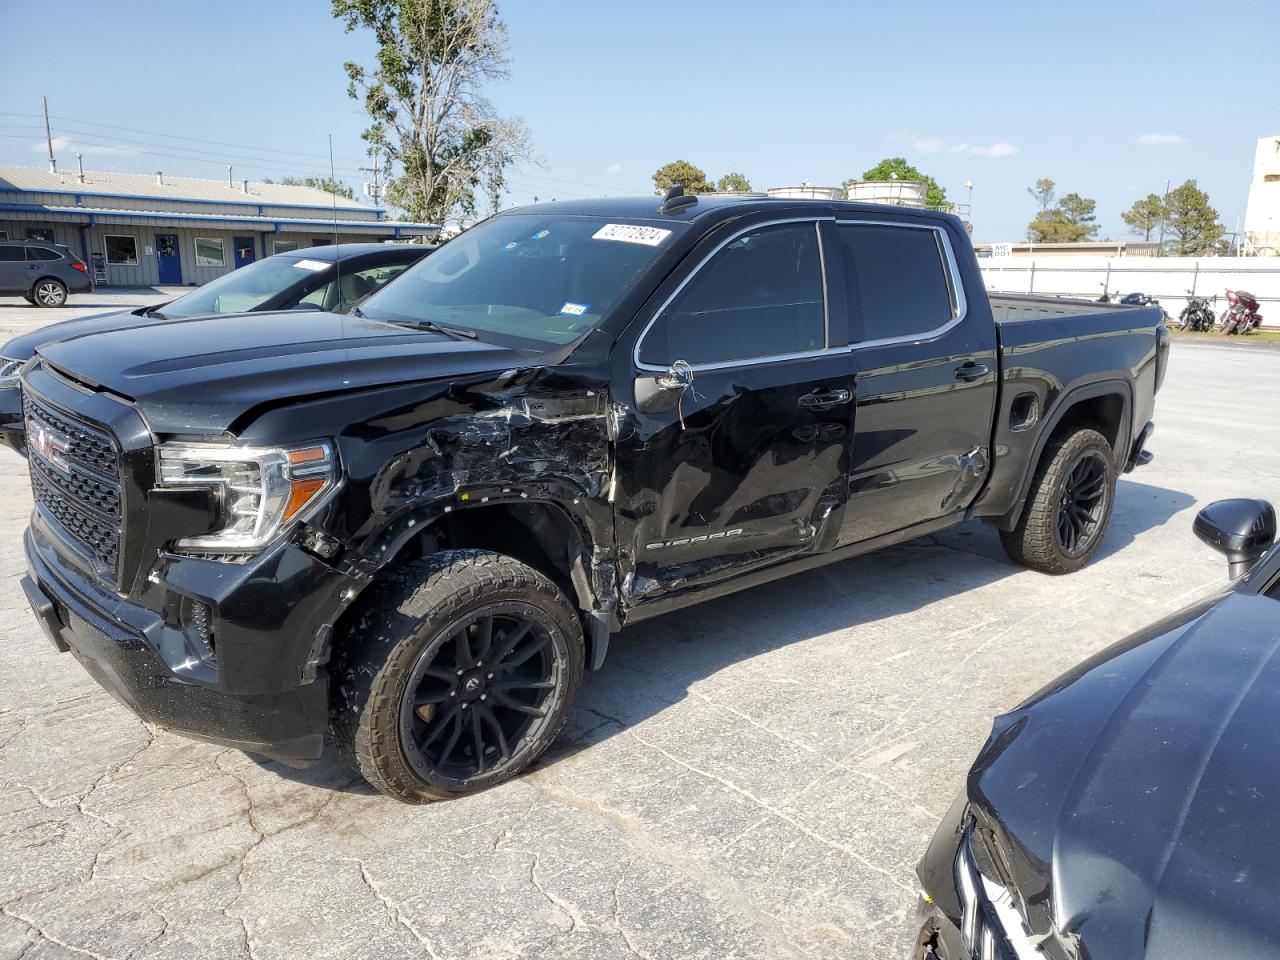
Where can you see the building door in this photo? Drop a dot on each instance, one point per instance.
(242, 247)
(168, 259)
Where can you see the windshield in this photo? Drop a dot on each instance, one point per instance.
(539, 281)
(247, 288)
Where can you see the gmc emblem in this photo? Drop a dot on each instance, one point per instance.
(51, 447)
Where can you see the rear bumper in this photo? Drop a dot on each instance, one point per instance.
(1138, 455)
(266, 693)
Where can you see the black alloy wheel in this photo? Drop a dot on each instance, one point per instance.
(1083, 504)
(476, 693)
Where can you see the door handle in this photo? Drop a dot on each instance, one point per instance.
(824, 399)
(970, 371)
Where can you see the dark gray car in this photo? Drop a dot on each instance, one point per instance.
(43, 273)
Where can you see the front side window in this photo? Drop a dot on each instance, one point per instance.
(121, 251)
(209, 252)
(898, 282)
(761, 296)
(12, 254)
(530, 281)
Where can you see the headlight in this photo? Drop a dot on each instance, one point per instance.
(260, 490)
(9, 370)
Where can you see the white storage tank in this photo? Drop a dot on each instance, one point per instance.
(808, 192)
(900, 193)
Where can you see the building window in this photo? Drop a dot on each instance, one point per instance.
(283, 246)
(121, 251)
(209, 252)
(4, 234)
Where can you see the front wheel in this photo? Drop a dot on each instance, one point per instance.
(458, 674)
(1069, 505)
(49, 293)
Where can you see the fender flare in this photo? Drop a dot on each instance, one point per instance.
(1114, 386)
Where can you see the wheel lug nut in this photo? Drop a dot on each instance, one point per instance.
(453, 693)
(459, 673)
(482, 696)
(491, 676)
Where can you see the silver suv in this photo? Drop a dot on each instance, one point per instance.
(43, 273)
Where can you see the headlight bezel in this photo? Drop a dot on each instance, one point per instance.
(261, 491)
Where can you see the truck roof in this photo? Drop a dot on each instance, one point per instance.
(709, 204)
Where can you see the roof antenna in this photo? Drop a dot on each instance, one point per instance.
(337, 247)
(674, 200)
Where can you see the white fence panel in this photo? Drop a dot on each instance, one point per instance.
(1168, 279)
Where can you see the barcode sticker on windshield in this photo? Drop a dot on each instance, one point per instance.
(631, 233)
(312, 265)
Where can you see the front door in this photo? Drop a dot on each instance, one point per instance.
(926, 377)
(168, 260)
(745, 465)
(243, 249)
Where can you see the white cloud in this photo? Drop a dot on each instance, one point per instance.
(613, 169)
(67, 145)
(938, 145)
(1161, 139)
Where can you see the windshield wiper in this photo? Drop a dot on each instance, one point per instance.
(457, 333)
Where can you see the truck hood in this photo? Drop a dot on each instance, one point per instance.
(24, 346)
(1135, 800)
(201, 376)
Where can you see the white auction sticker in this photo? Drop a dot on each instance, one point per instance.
(631, 233)
(312, 265)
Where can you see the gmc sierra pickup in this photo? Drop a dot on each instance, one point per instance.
(415, 526)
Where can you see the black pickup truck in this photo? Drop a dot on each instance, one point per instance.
(416, 525)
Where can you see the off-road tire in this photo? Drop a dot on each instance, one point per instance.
(400, 620)
(1035, 542)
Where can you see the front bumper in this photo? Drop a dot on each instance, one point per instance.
(939, 937)
(264, 691)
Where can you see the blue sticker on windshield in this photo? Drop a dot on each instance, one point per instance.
(574, 309)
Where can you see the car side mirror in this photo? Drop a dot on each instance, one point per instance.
(1241, 530)
(657, 394)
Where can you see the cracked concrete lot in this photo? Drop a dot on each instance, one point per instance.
(753, 778)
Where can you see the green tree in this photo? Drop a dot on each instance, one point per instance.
(1191, 221)
(1145, 215)
(1042, 192)
(1070, 221)
(321, 183)
(733, 183)
(897, 168)
(426, 101)
(682, 172)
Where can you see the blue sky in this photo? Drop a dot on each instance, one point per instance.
(1108, 99)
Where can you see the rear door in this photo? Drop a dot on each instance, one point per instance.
(746, 465)
(13, 268)
(926, 367)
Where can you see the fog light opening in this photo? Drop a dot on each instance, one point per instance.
(198, 624)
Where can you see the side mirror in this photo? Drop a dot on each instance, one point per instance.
(1241, 530)
(657, 394)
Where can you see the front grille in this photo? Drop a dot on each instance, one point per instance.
(75, 481)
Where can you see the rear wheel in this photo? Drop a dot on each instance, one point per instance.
(49, 293)
(1069, 506)
(457, 676)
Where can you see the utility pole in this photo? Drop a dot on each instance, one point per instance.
(1164, 213)
(376, 192)
(48, 137)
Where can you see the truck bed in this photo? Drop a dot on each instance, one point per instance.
(1013, 307)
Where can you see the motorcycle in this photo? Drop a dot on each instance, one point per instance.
(1241, 314)
(1144, 300)
(1197, 315)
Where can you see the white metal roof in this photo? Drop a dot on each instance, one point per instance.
(39, 179)
(114, 215)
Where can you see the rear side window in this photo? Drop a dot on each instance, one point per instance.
(11, 254)
(42, 253)
(760, 296)
(898, 281)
